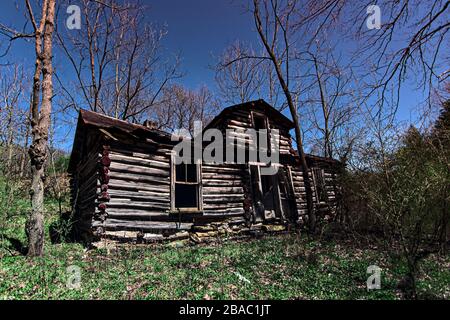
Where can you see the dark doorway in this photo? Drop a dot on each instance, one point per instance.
(268, 187)
(265, 194)
(273, 195)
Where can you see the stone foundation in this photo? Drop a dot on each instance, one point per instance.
(208, 233)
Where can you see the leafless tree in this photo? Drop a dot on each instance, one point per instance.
(243, 75)
(411, 44)
(239, 80)
(180, 107)
(286, 30)
(11, 115)
(117, 60)
(331, 103)
(13, 137)
(40, 120)
(273, 25)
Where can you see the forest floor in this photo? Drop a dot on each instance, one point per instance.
(274, 267)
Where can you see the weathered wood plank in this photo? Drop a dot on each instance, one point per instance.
(121, 203)
(223, 213)
(151, 226)
(219, 169)
(220, 206)
(222, 190)
(136, 214)
(228, 183)
(128, 177)
(138, 194)
(134, 160)
(120, 184)
(127, 168)
(233, 177)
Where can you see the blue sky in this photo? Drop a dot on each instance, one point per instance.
(198, 29)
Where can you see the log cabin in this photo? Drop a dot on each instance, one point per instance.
(125, 184)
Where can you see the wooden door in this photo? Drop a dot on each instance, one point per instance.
(287, 196)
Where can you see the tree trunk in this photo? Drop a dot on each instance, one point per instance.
(40, 123)
(9, 140)
(294, 114)
(25, 145)
(309, 198)
(35, 223)
(325, 111)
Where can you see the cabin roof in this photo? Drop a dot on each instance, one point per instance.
(257, 105)
(314, 158)
(89, 119)
(102, 121)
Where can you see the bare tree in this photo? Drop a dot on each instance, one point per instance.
(239, 80)
(120, 67)
(40, 120)
(13, 126)
(180, 107)
(332, 100)
(286, 30)
(410, 44)
(274, 22)
(11, 86)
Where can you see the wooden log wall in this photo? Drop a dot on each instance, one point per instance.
(223, 190)
(330, 176)
(299, 191)
(103, 197)
(242, 120)
(138, 187)
(124, 183)
(84, 182)
(329, 207)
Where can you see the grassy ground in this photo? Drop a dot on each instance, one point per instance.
(279, 267)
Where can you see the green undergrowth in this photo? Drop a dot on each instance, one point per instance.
(277, 267)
